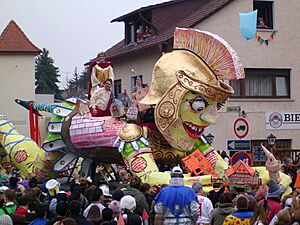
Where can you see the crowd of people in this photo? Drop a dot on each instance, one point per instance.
(131, 202)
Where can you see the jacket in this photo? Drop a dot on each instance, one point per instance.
(239, 218)
(10, 208)
(39, 221)
(218, 215)
(21, 211)
(81, 220)
(275, 207)
(140, 199)
(177, 204)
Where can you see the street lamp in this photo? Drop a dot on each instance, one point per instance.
(210, 138)
(271, 141)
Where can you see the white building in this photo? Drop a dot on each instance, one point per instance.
(17, 79)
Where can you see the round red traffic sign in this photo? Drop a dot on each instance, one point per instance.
(241, 127)
(244, 156)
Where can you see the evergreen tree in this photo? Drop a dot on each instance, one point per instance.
(46, 75)
(78, 85)
(84, 78)
(73, 84)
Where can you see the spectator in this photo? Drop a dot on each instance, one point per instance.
(106, 194)
(33, 182)
(22, 209)
(117, 195)
(133, 190)
(61, 212)
(94, 215)
(290, 169)
(108, 217)
(283, 218)
(176, 204)
(273, 198)
(146, 189)
(223, 208)
(2, 189)
(251, 202)
(128, 205)
(115, 207)
(261, 212)
(214, 194)
(40, 214)
(60, 196)
(261, 192)
(68, 221)
(9, 207)
(242, 215)
(261, 23)
(205, 204)
(75, 209)
(20, 216)
(95, 195)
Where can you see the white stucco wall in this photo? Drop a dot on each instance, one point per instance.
(16, 81)
(282, 52)
(142, 63)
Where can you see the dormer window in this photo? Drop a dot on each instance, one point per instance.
(138, 29)
(264, 14)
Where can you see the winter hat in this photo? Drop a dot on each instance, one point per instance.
(288, 202)
(25, 183)
(51, 184)
(176, 172)
(128, 202)
(105, 190)
(3, 188)
(241, 202)
(117, 195)
(251, 202)
(115, 206)
(53, 187)
(261, 192)
(274, 190)
(197, 187)
(287, 160)
(6, 220)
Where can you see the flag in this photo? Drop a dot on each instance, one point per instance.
(248, 22)
(121, 220)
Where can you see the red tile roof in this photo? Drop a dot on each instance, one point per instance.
(14, 41)
(200, 10)
(146, 8)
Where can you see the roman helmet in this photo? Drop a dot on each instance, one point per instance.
(199, 62)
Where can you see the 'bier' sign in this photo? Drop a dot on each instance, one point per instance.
(282, 120)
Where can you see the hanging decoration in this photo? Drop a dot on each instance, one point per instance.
(266, 41)
(248, 22)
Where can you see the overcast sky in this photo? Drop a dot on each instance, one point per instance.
(74, 31)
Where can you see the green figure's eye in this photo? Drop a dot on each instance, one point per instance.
(197, 104)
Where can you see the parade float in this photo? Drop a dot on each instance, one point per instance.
(188, 87)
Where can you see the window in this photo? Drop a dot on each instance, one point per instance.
(264, 14)
(281, 149)
(263, 83)
(135, 82)
(138, 28)
(117, 87)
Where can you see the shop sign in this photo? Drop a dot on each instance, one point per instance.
(283, 120)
